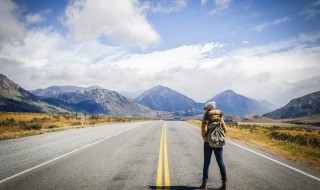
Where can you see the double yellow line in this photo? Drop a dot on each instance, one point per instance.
(163, 155)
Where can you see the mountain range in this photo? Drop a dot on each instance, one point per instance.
(101, 101)
(165, 99)
(157, 102)
(13, 98)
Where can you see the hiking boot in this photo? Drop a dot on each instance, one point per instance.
(204, 185)
(224, 184)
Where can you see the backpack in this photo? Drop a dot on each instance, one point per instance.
(215, 134)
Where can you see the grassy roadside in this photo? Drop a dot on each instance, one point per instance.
(17, 124)
(294, 143)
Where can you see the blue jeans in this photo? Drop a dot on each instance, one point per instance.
(207, 149)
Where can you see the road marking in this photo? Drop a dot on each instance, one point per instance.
(163, 155)
(64, 155)
(271, 159)
(166, 165)
(159, 173)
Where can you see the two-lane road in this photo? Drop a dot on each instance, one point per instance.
(142, 155)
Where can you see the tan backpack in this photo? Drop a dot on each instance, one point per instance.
(215, 134)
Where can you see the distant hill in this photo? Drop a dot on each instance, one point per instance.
(191, 113)
(13, 98)
(165, 99)
(102, 101)
(307, 105)
(54, 90)
(269, 105)
(232, 103)
(131, 95)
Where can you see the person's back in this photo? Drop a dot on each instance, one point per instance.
(211, 119)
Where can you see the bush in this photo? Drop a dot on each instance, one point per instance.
(275, 128)
(67, 117)
(314, 142)
(76, 123)
(56, 117)
(299, 139)
(92, 117)
(52, 126)
(8, 122)
(32, 126)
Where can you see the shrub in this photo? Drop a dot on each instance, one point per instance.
(67, 117)
(8, 122)
(275, 128)
(56, 117)
(76, 123)
(299, 139)
(39, 120)
(314, 142)
(32, 126)
(52, 126)
(92, 117)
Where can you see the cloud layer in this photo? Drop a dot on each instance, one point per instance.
(277, 71)
(119, 21)
(10, 27)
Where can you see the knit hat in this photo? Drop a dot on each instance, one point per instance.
(211, 105)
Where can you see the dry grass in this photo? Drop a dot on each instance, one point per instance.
(260, 137)
(273, 124)
(16, 124)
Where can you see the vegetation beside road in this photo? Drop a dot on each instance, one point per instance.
(296, 143)
(17, 124)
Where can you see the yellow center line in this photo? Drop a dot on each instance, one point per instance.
(163, 155)
(159, 174)
(166, 165)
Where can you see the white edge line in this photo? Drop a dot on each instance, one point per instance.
(88, 145)
(295, 169)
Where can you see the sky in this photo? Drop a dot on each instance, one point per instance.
(266, 50)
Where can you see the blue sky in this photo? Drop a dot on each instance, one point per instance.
(184, 22)
(261, 49)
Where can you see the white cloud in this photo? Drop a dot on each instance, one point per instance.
(222, 4)
(263, 26)
(203, 2)
(118, 21)
(280, 20)
(10, 27)
(34, 18)
(310, 11)
(168, 6)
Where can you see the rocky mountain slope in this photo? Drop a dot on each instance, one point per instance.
(307, 105)
(54, 90)
(232, 103)
(165, 99)
(16, 99)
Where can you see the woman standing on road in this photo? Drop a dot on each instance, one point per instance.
(212, 115)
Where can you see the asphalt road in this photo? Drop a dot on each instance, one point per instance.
(139, 156)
